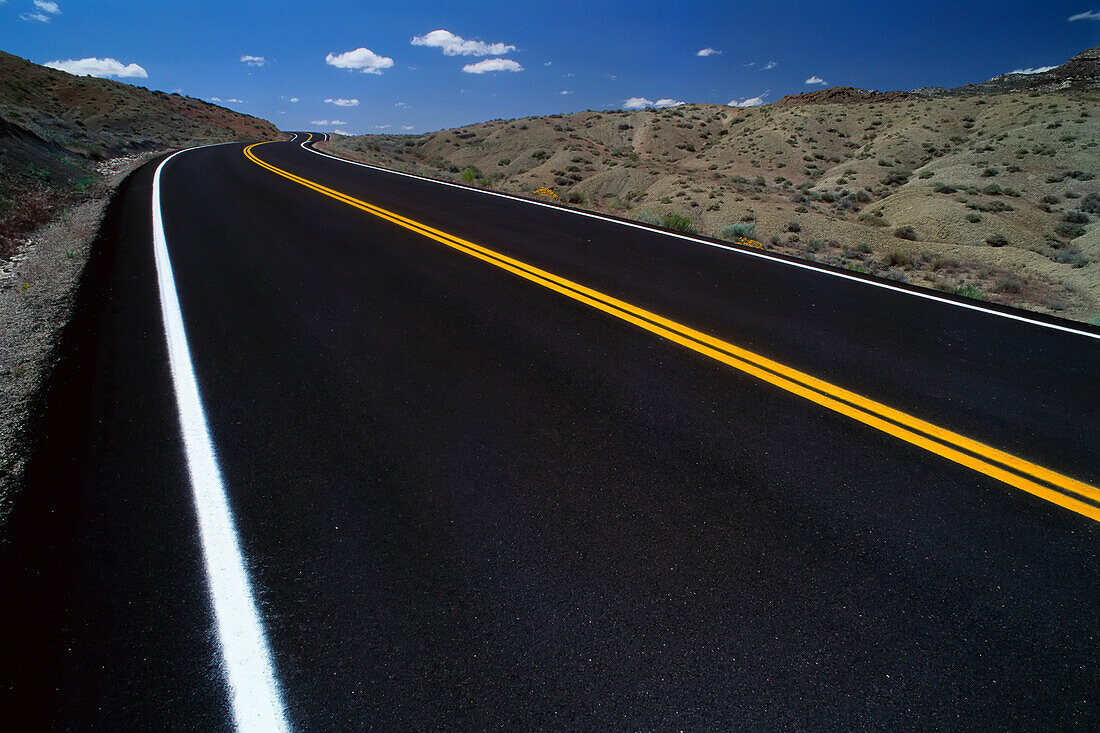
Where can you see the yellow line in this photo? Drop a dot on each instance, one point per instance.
(965, 451)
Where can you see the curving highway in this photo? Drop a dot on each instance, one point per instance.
(331, 448)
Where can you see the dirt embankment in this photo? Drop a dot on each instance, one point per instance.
(37, 290)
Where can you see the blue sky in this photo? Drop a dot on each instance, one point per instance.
(534, 58)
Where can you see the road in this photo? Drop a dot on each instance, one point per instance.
(496, 464)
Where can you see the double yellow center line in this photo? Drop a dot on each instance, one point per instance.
(1012, 470)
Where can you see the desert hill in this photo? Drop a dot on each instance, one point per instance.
(55, 127)
(989, 195)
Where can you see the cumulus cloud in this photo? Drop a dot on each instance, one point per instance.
(565, 91)
(326, 123)
(382, 127)
(1087, 15)
(294, 100)
(642, 103)
(750, 101)
(1036, 70)
(98, 67)
(253, 60)
(407, 127)
(400, 105)
(482, 67)
(341, 102)
(769, 65)
(816, 80)
(454, 45)
(363, 59)
(708, 51)
(47, 7)
(341, 132)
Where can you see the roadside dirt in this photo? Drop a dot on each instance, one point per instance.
(37, 289)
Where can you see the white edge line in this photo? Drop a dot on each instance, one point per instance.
(746, 252)
(255, 697)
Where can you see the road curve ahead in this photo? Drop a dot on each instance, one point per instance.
(330, 447)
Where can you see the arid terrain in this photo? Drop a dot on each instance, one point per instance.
(55, 128)
(987, 191)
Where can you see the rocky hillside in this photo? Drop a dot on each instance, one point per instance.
(55, 128)
(992, 196)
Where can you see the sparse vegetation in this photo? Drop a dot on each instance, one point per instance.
(844, 184)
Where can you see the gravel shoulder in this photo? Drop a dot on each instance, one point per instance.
(37, 291)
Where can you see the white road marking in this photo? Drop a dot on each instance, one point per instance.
(737, 250)
(255, 696)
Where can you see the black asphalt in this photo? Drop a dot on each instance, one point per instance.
(469, 503)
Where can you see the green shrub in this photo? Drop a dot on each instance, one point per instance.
(678, 223)
(794, 226)
(471, 174)
(906, 232)
(973, 218)
(896, 259)
(996, 240)
(969, 291)
(1069, 231)
(648, 217)
(1076, 217)
(740, 229)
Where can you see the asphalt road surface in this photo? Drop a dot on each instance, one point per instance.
(470, 497)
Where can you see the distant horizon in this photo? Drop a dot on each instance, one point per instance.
(425, 66)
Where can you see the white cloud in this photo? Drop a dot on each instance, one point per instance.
(382, 127)
(253, 60)
(401, 105)
(769, 65)
(363, 59)
(816, 80)
(47, 7)
(565, 91)
(1088, 15)
(231, 100)
(708, 52)
(98, 67)
(294, 100)
(341, 132)
(1036, 70)
(407, 127)
(756, 101)
(487, 65)
(341, 102)
(453, 45)
(548, 63)
(642, 103)
(40, 17)
(327, 123)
